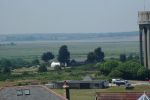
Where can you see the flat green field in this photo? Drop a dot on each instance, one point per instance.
(78, 50)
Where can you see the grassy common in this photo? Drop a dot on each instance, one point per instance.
(18, 76)
(78, 50)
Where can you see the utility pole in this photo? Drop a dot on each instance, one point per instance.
(67, 92)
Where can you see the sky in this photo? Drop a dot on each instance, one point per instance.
(69, 16)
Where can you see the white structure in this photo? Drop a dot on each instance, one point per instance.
(143, 97)
(54, 64)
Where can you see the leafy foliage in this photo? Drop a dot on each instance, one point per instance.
(143, 73)
(99, 55)
(42, 68)
(96, 56)
(91, 57)
(123, 57)
(35, 62)
(115, 74)
(7, 70)
(129, 69)
(57, 68)
(5, 63)
(47, 56)
(108, 66)
(64, 55)
(14, 63)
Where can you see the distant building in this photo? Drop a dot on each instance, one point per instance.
(84, 84)
(54, 64)
(81, 84)
(29, 93)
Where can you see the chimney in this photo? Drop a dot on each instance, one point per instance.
(66, 87)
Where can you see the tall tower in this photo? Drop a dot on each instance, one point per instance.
(144, 37)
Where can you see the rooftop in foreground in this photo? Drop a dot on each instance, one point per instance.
(29, 93)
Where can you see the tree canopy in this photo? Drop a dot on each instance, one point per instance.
(99, 55)
(108, 66)
(96, 56)
(5, 63)
(143, 73)
(6, 70)
(123, 57)
(129, 69)
(63, 55)
(47, 56)
(42, 68)
(91, 57)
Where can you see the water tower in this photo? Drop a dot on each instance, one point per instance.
(144, 37)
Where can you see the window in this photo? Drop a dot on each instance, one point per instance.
(27, 92)
(96, 85)
(19, 93)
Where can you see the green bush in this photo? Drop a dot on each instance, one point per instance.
(57, 68)
(25, 73)
(143, 73)
(129, 69)
(7, 70)
(42, 68)
(116, 74)
(108, 66)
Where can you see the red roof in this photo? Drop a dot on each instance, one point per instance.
(119, 96)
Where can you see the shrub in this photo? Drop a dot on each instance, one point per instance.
(42, 68)
(116, 74)
(129, 69)
(6, 70)
(108, 66)
(143, 73)
(57, 68)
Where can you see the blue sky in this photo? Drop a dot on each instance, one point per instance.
(69, 16)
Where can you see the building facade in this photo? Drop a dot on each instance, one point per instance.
(144, 37)
(80, 84)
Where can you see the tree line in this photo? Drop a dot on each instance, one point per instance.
(127, 70)
(64, 57)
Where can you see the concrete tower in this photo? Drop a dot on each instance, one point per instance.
(144, 37)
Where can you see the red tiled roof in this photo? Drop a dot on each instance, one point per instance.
(119, 96)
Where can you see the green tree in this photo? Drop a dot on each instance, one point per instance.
(91, 57)
(64, 55)
(108, 66)
(42, 68)
(99, 55)
(18, 63)
(57, 68)
(6, 70)
(123, 57)
(0, 70)
(47, 56)
(5, 63)
(130, 57)
(35, 62)
(129, 69)
(143, 73)
(116, 74)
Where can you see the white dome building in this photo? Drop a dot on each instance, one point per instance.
(54, 64)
